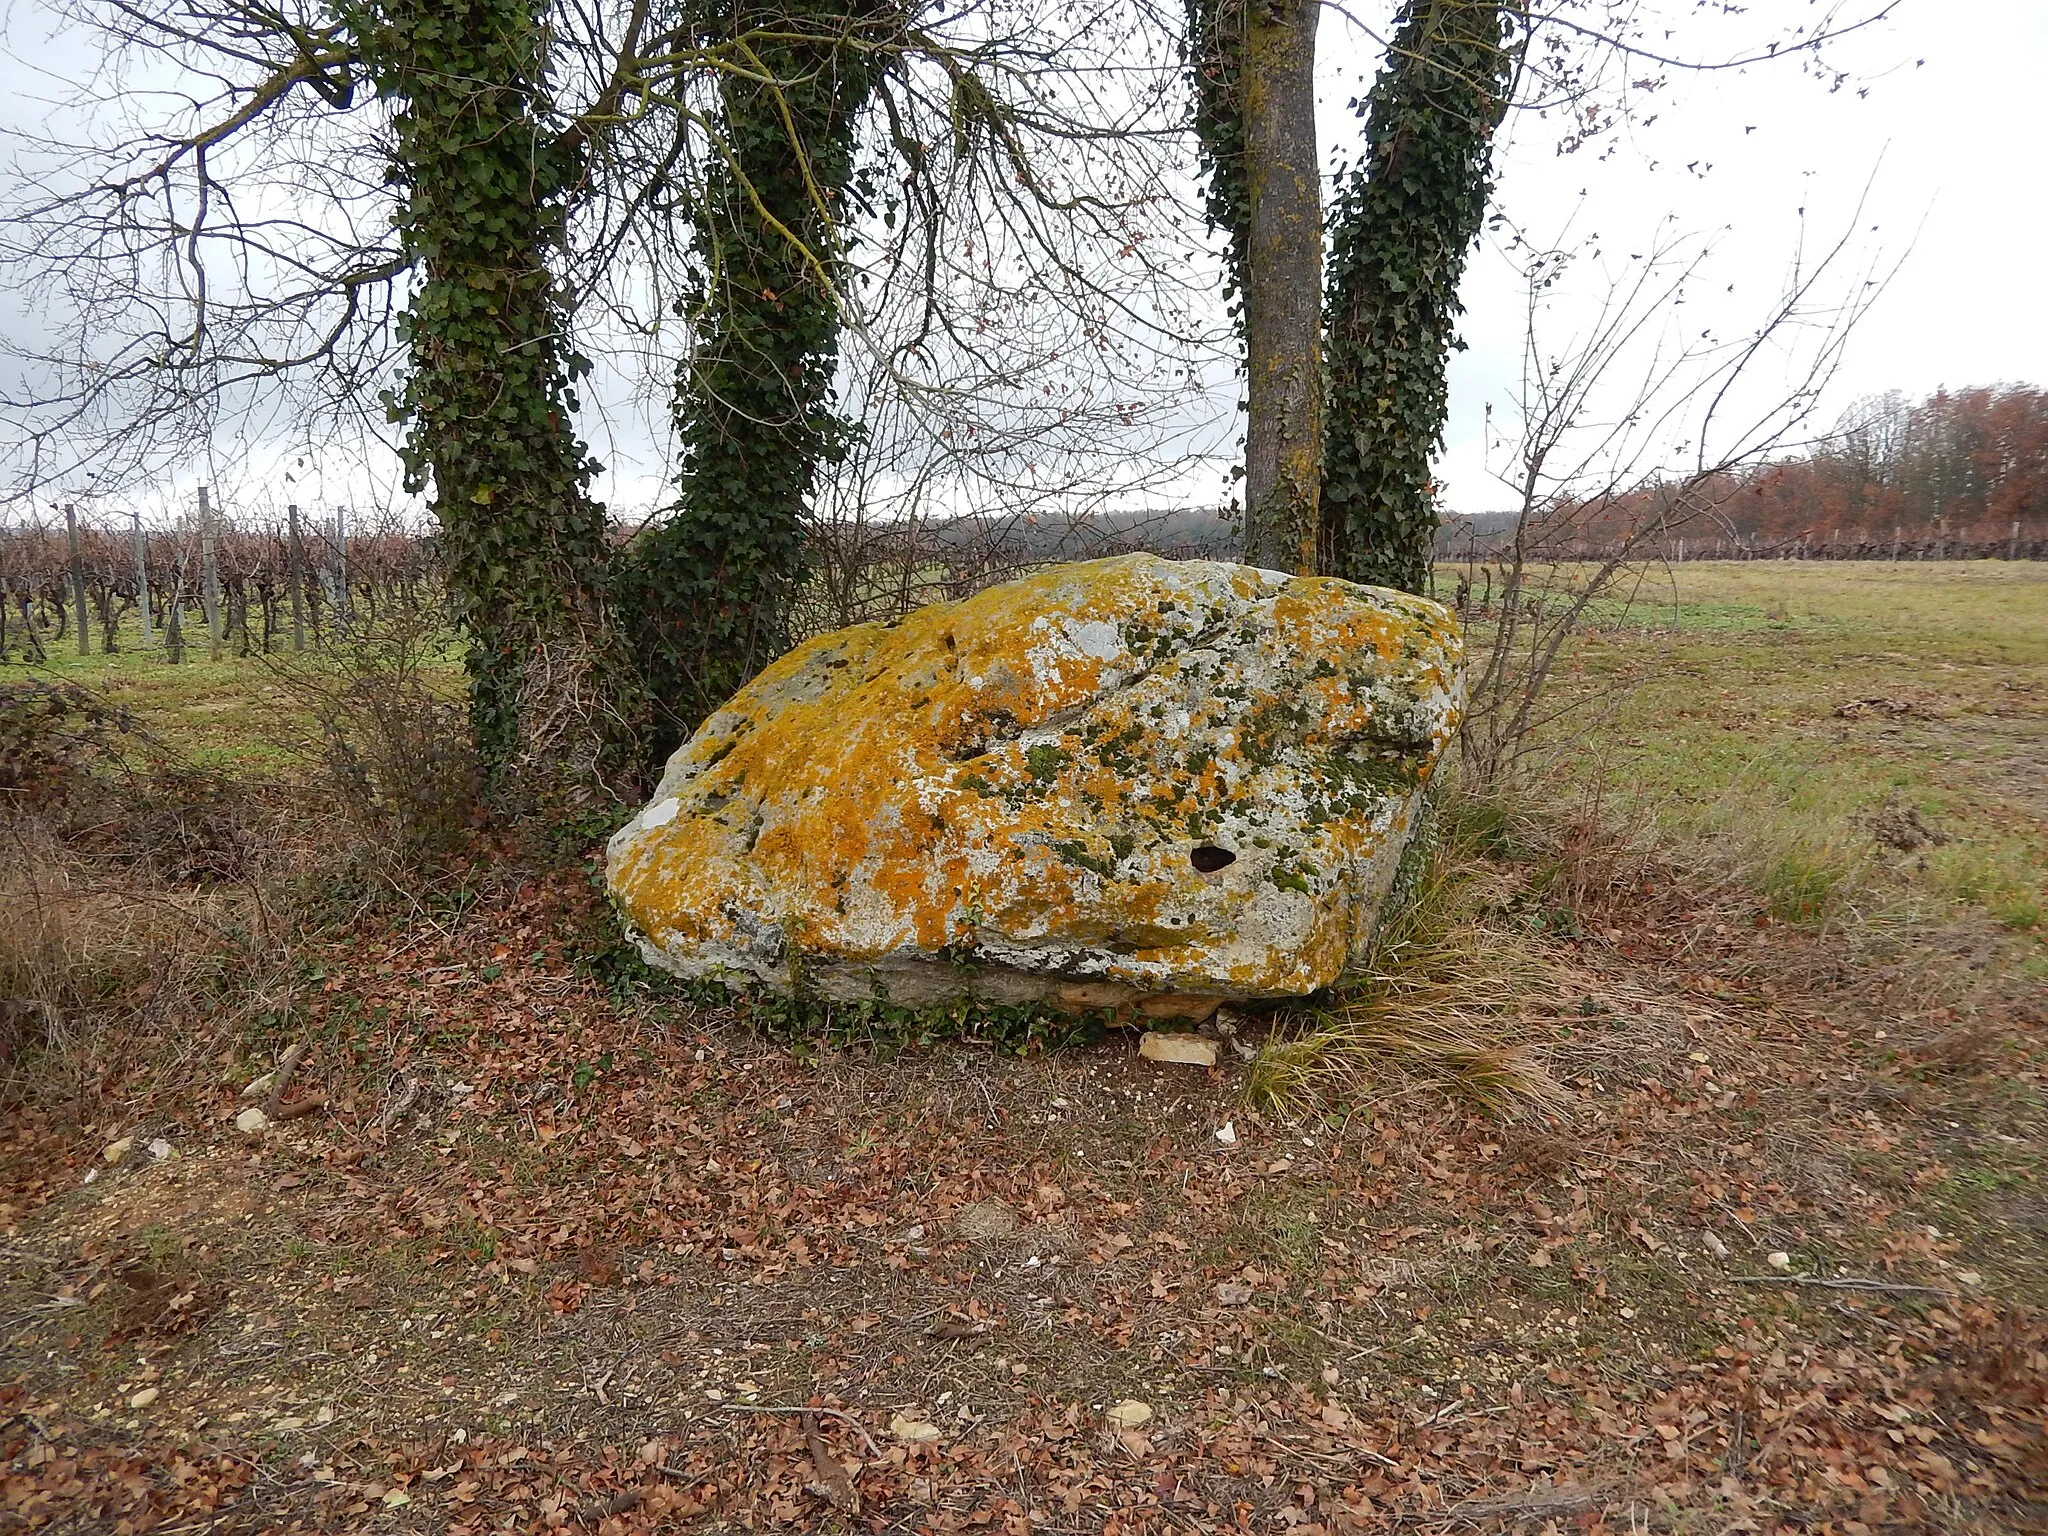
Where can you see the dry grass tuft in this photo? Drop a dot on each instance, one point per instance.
(103, 962)
(1969, 1048)
(1437, 1002)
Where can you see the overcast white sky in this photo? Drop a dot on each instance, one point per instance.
(1937, 131)
(1942, 125)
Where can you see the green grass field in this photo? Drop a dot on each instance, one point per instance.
(1788, 717)
(238, 712)
(1713, 699)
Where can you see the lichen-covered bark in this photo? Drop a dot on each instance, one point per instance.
(1283, 287)
(1401, 233)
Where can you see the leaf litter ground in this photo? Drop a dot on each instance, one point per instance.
(596, 1274)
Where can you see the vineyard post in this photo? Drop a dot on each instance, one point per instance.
(295, 573)
(142, 574)
(209, 577)
(78, 580)
(174, 616)
(341, 606)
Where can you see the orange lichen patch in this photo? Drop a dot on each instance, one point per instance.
(1179, 777)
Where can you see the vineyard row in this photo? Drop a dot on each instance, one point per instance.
(235, 590)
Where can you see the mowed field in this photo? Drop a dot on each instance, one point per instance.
(1786, 715)
(1766, 1250)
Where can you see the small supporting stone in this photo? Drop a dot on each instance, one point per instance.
(1178, 1050)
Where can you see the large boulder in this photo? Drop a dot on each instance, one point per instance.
(1130, 780)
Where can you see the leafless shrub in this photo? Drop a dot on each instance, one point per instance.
(54, 736)
(378, 712)
(1597, 502)
(92, 771)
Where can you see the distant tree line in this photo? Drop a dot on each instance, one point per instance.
(1962, 474)
(1964, 465)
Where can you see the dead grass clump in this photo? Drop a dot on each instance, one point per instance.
(1966, 1050)
(1435, 1003)
(160, 1298)
(1552, 859)
(1540, 1152)
(102, 963)
(1899, 826)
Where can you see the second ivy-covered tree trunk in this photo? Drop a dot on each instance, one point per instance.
(1400, 237)
(488, 395)
(709, 589)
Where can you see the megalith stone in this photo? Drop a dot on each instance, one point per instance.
(1129, 780)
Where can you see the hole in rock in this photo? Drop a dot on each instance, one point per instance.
(1208, 860)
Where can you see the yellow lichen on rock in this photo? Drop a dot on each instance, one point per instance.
(1158, 776)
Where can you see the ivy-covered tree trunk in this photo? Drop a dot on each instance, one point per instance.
(1215, 62)
(709, 589)
(488, 394)
(1283, 454)
(1402, 231)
